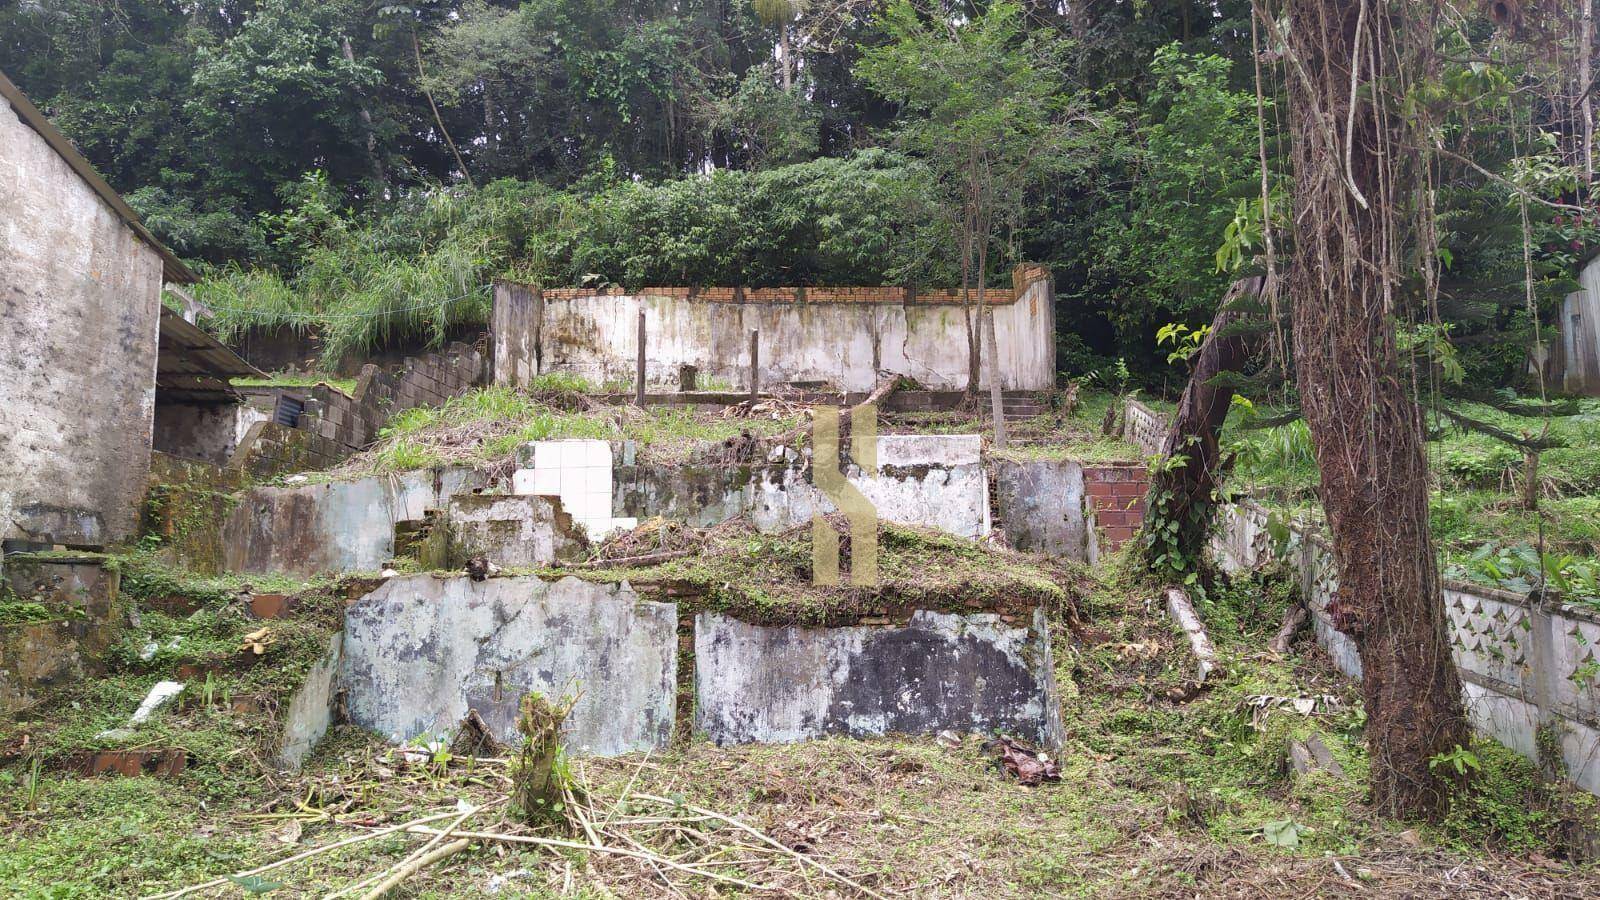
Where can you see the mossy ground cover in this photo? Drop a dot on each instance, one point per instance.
(486, 425)
(768, 578)
(1158, 798)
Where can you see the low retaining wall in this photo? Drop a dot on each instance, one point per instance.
(421, 650)
(334, 527)
(73, 614)
(1526, 666)
(1042, 507)
(970, 673)
(844, 337)
(935, 481)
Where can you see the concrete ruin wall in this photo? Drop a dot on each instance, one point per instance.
(1525, 665)
(972, 673)
(82, 618)
(841, 337)
(935, 481)
(201, 431)
(80, 297)
(421, 651)
(1042, 507)
(514, 531)
(333, 527)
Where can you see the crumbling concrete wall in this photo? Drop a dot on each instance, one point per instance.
(1042, 508)
(421, 651)
(64, 613)
(337, 526)
(80, 296)
(310, 711)
(843, 337)
(972, 673)
(935, 481)
(515, 531)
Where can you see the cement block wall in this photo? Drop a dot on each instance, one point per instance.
(1042, 507)
(335, 424)
(80, 297)
(1525, 665)
(843, 337)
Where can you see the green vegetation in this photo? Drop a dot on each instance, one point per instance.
(766, 578)
(295, 379)
(488, 424)
(1482, 531)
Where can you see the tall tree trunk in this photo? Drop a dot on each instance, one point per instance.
(1186, 494)
(991, 347)
(1585, 87)
(1365, 426)
(787, 61)
(365, 118)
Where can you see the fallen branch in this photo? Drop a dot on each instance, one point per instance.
(1182, 611)
(598, 848)
(415, 855)
(761, 836)
(643, 559)
(315, 851)
(1293, 619)
(876, 397)
(406, 870)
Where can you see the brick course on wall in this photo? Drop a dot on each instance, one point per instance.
(1115, 498)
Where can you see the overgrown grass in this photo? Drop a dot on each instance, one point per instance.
(295, 379)
(488, 424)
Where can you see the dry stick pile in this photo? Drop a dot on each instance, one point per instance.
(672, 845)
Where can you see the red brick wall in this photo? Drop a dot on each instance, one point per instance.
(1115, 498)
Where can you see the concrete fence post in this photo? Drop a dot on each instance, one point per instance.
(638, 369)
(755, 364)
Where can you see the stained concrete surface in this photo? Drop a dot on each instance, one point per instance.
(334, 527)
(515, 531)
(971, 673)
(421, 651)
(1041, 507)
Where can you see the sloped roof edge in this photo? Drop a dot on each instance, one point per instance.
(172, 268)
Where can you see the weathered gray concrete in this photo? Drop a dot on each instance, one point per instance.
(846, 344)
(203, 431)
(421, 650)
(310, 711)
(968, 673)
(514, 530)
(1041, 507)
(339, 526)
(85, 615)
(934, 481)
(80, 296)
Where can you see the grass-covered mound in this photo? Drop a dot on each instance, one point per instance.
(767, 578)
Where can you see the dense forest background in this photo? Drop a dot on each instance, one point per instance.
(365, 168)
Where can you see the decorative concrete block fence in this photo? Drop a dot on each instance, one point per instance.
(1528, 667)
